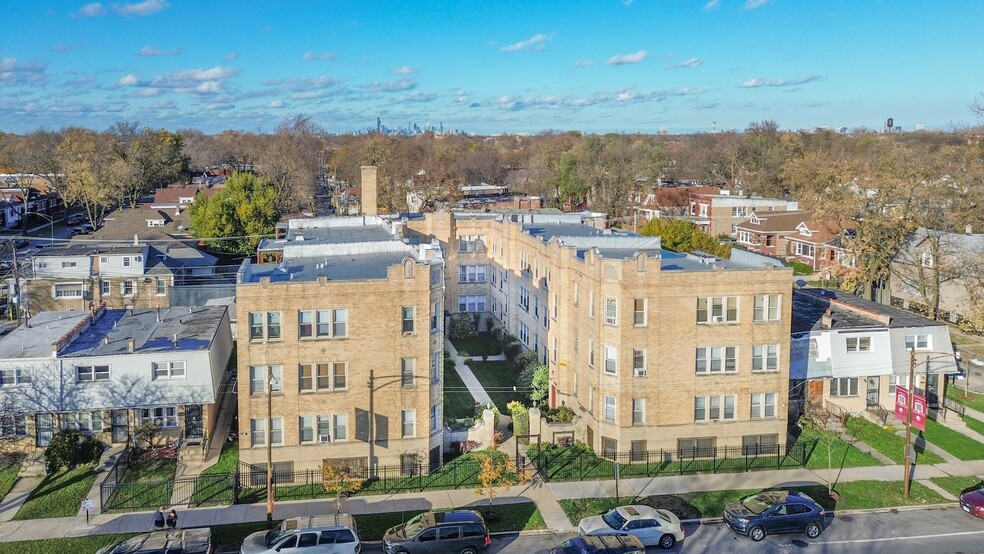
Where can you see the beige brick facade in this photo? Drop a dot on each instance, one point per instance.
(374, 341)
(543, 293)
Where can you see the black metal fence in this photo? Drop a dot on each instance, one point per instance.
(578, 462)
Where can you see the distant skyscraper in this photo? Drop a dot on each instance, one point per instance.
(379, 124)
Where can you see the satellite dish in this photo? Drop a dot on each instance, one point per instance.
(800, 283)
(181, 227)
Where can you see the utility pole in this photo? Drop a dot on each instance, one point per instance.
(16, 273)
(906, 479)
(372, 417)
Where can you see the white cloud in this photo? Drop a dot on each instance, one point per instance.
(391, 86)
(753, 4)
(583, 63)
(415, 97)
(686, 91)
(148, 92)
(327, 56)
(404, 70)
(276, 104)
(217, 106)
(537, 42)
(150, 51)
(712, 5)
(92, 10)
(128, 80)
(623, 59)
(231, 56)
(146, 7)
(692, 62)
(209, 87)
(758, 83)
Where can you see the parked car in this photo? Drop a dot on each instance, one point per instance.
(459, 531)
(20, 243)
(75, 219)
(81, 230)
(331, 534)
(601, 544)
(650, 525)
(972, 502)
(776, 512)
(180, 541)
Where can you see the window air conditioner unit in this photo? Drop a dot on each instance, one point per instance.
(717, 319)
(324, 438)
(640, 373)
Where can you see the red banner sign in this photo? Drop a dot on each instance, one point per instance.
(919, 408)
(901, 403)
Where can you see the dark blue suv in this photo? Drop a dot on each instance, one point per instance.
(775, 512)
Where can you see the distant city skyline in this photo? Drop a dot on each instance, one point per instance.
(491, 67)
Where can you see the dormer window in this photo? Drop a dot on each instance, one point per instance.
(804, 230)
(754, 219)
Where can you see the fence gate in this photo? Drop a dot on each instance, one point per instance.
(523, 443)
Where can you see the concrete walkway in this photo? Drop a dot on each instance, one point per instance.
(474, 386)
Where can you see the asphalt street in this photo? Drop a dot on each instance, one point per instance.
(938, 531)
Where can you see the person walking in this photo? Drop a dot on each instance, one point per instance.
(172, 519)
(159, 519)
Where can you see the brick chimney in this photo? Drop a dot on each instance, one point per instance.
(369, 193)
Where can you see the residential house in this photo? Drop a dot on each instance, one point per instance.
(939, 273)
(848, 354)
(43, 202)
(798, 236)
(109, 371)
(718, 214)
(140, 275)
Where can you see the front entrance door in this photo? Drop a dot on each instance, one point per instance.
(193, 421)
(874, 391)
(43, 429)
(933, 390)
(120, 426)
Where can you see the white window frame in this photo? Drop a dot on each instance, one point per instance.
(258, 375)
(858, 343)
(408, 316)
(639, 362)
(170, 369)
(850, 384)
(640, 318)
(92, 373)
(765, 358)
(611, 360)
(716, 359)
(609, 412)
(767, 307)
(638, 411)
(763, 405)
(717, 309)
(715, 408)
(920, 341)
(611, 311)
(165, 416)
(408, 424)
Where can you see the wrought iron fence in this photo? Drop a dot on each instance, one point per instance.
(577, 462)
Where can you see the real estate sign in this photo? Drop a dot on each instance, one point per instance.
(918, 408)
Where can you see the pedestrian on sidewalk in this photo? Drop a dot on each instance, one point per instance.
(159, 519)
(172, 519)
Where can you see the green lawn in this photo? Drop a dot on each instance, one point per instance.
(458, 402)
(8, 476)
(228, 460)
(974, 425)
(886, 441)
(482, 345)
(954, 442)
(60, 494)
(957, 485)
(831, 451)
(498, 380)
(144, 485)
(693, 505)
(971, 399)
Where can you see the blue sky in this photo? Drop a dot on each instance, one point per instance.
(491, 67)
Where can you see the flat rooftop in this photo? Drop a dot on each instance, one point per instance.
(350, 267)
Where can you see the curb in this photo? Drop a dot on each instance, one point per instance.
(886, 510)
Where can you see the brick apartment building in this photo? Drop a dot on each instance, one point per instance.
(719, 213)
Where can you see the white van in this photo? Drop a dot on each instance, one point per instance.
(334, 534)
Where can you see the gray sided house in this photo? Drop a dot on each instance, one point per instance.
(109, 371)
(941, 273)
(849, 354)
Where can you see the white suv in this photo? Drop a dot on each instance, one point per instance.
(334, 534)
